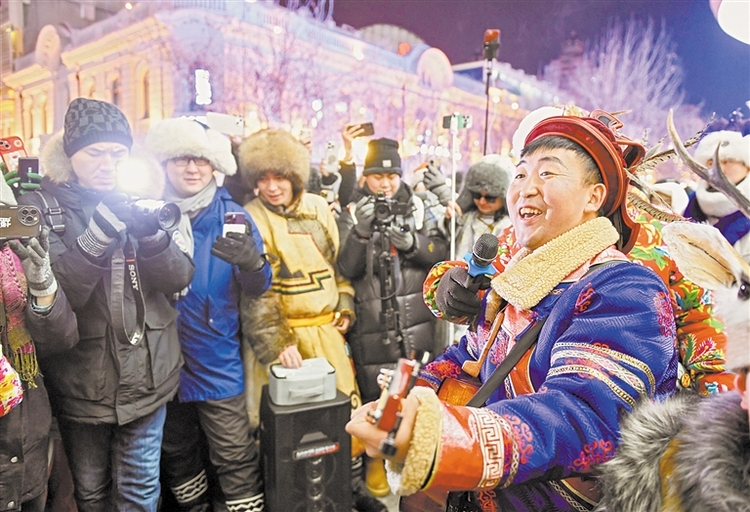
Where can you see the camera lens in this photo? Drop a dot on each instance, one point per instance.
(169, 216)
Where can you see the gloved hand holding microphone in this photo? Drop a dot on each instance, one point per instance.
(457, 291)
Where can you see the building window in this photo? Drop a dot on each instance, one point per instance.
(116, 93)
(202, 87)
(145, 97)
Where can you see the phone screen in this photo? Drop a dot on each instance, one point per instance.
(234, 222)
(368, 129)
(27, 165)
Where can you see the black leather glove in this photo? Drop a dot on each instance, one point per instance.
(113, 216)
(364, 211)
(453, 298)
(238, 249)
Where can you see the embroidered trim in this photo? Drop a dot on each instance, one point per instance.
(490, 436)
(574, 491)
(192, 489)
(608, 364)
(514, 451)
(597, 374)
(570, 500)
(614, 354)
(531, 275)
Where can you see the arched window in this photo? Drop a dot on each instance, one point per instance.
(145, 96)
(116, 93)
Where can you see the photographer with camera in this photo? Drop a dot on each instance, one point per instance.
(37, 322)
(227, 249)
(389, 240)
(109, 391)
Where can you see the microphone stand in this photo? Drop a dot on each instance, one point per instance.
(490, 52)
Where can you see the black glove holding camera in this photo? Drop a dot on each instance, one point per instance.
(238, 249)
(112, 217)
(365, 214)
(453, 297)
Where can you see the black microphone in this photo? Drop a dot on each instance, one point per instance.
(480, 262)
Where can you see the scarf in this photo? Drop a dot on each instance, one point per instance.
(17, 343)
(531, 275)
(716, 208)
(190, 208)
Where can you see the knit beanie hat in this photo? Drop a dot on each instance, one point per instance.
(382, 158)
(90, 121)
(180, 136)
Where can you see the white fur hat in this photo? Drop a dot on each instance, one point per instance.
(733, 147)
(172, 138)
(676, 192)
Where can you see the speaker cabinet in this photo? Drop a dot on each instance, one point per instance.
(306, 455)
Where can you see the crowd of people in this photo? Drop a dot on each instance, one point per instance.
(153, 341)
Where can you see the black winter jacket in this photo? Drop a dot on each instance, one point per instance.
(417, 325)
(24, 432)
(102, 380)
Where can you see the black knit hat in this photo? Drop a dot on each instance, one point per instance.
(90, 121)
(382, 158)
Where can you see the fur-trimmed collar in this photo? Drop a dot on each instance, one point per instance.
(716, 204)
(56, 166)
(531, 275)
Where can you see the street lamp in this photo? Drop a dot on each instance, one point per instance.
(733, 17)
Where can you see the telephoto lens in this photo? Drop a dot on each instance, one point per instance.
(166, 215)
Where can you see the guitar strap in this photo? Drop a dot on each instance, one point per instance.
(523, 344)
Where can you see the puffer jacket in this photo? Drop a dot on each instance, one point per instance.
(24, 433)
(102, 380)
(368, 337)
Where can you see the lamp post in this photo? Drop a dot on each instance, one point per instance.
(733, 17)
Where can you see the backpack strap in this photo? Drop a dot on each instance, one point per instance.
(53, 211)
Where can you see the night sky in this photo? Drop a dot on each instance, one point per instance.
(716, 66)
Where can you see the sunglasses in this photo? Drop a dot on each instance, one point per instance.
(477, 196)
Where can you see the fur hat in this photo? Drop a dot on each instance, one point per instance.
(733, 147)
(491, 174)
(90, 121)
(274, 151)
(382, 157)
(172, 138)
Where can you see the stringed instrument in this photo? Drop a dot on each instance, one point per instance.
(396, 385)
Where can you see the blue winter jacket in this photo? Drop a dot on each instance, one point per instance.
(209, 321)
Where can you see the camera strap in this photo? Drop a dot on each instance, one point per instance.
(124, 263)
(53, 212)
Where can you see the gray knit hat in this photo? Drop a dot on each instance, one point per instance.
(90, 121)
(382, 158)
(491, 174)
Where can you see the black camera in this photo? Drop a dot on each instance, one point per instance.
(386, 209)
(19, 222)
(152, 212)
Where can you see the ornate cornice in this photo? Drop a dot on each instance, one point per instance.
(27, 77)
(124, 40)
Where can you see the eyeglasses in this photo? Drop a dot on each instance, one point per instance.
(477, 196)
(183, 161)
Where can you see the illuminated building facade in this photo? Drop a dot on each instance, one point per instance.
(266, 65)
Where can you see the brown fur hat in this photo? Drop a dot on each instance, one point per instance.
(274, 151)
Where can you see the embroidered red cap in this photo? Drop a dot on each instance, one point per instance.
(611, 152)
